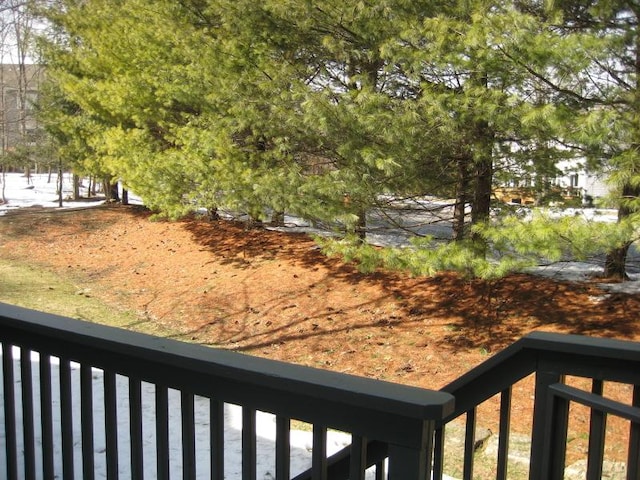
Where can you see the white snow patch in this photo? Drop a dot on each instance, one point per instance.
(301, 441)
(38, 190)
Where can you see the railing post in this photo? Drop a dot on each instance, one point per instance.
(406, 463)
(543, 428)
(66, 415)
(46, 416)
(556, 451)
(216, 439)
(283, 448)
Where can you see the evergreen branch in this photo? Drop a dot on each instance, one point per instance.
(350, 33)
(613, 74)
(197, 13)
(555, 87)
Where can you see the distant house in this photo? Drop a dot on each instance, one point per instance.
(19, 86)
(573, 182)
(578, 181)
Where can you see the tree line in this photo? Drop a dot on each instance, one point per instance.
(328, 109)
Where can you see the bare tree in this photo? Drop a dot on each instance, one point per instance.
(18, 81)
(4, 46)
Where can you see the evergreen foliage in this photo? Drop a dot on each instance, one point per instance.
(323, 109)
(515, 245)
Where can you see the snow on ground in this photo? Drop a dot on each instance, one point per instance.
(301, 441)
(40, 190)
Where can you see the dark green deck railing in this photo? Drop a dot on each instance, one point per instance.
(550, 358)
(398, 432)
(384, 419)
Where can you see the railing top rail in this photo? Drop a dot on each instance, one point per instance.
(263, 383)
(595, 347)
(567, 354)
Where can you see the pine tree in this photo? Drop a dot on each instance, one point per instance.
(588, 61)
(336, 112)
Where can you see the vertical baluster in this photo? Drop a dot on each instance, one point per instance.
(66, 414)
(111, 424)
(283, 448)
(505, 431)
(633, 460)
(469, 443)
(216, 439)
(46, 416)
(597, 432)
(86, 422)
(188, 437)
(9, 411)
(557, 448)
(358, 461)
(438, 453)
(27, 414)
(162, 432)
(248, 444)
(135, 428)
(319, 453)
(381, 473)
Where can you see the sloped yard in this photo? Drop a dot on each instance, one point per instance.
(275, 295)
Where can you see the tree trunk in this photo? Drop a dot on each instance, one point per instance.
(114, 192)
(60, 185)
(277, 219)
(111, 191)
(462, 186)
(482, 191)
(483, 181)
(361, 226)
(76, 187)
(481, 206)
(483, 174)
(4, 183)
(125, 196)
(615, 263)
(212, 213)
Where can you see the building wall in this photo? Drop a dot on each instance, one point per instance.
(18, 94)
(578, 179)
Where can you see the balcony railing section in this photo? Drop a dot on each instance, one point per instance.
(552, 358)
(62, 389)
(397, 432)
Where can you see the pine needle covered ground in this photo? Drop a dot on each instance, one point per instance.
(276, 295)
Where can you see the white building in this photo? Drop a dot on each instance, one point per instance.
(579, 181)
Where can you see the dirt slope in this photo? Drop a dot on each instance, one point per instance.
(275, 295)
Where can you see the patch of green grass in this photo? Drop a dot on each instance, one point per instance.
(34, 287)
